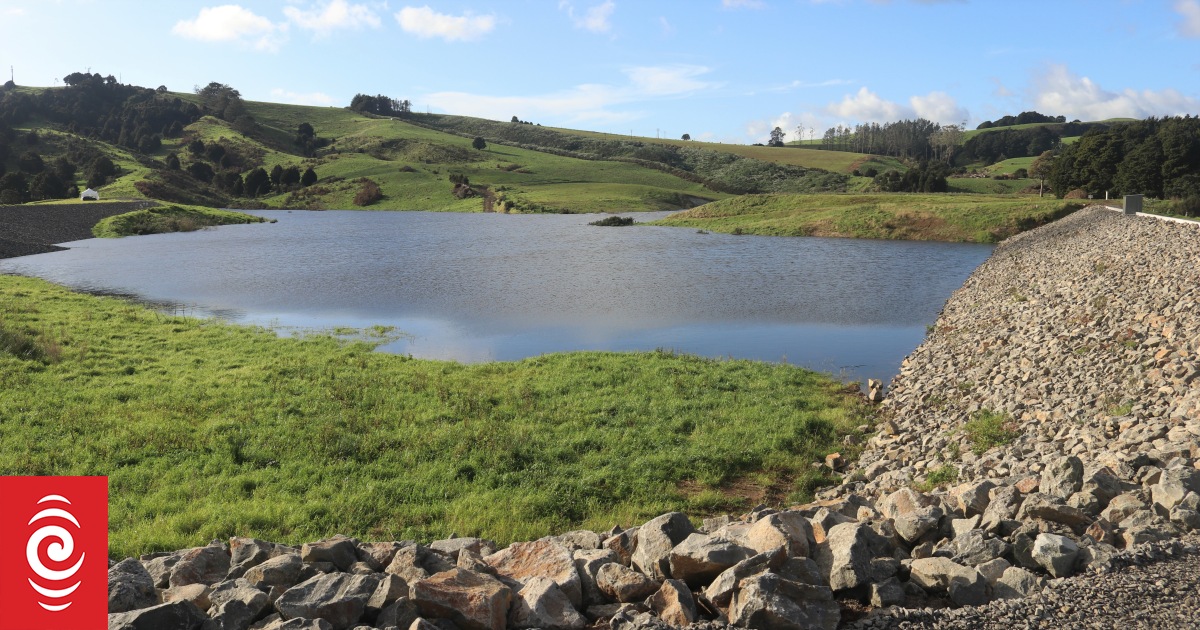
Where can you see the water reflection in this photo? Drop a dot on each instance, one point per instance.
(498, 287)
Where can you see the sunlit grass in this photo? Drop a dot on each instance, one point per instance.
(208, 430)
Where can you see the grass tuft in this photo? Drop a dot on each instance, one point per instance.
(988, 429)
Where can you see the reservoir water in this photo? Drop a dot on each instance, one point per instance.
(485, 287)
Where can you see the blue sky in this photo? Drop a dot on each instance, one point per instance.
(723, 70)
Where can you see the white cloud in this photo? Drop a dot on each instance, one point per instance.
(803, 85)
(232, 23)
(13, 12)
(1190, 11)
(312, 98)
(591, 103)
(331, 16)
(597, 19)
(1001, 90)
(667, 80)
(743, 4)
(866, 106)
(425, 23)
(938, 107)
(1058, 91)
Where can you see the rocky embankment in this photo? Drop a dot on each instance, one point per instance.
(33, 229)
(1036, 467)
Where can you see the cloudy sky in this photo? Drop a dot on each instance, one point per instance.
(726, 70)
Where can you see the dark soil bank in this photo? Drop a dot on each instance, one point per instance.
(27, 230)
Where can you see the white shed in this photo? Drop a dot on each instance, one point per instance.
(89, 195)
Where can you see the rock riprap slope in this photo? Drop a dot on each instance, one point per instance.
(1036, 466)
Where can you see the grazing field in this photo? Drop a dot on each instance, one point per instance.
(208, 430)
(987, 185)
(925, 217)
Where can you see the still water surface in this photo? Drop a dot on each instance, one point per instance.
(484, 287)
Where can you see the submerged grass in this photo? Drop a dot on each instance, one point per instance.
(936, 217)
(208, 430)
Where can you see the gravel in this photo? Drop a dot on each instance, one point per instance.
(33, 229)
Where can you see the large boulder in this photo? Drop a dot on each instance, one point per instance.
(971, 499)
(172, 616)
(339, 551)
(620, 583)
(1056, 554)
(473, 601)
(769, 601)
(913, 513)
(845, 555)
(278, 571)
(1016, 583)
(674, 604)
(700, 558)
(656, 539)
(452, 546)
(541, 604)
(541, 558)
(416, 562)
(720, 591)
(790, 530)
(201, 565)
(130, 587)
(1050, 508)
(587, 565)
(964, 585)
(339, 598)
(1062, 478)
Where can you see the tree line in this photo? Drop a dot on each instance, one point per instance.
(1156, 157)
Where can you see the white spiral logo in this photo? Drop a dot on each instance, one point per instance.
(59, 551)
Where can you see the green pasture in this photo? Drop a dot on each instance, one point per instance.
(939, 217)
(208, 430)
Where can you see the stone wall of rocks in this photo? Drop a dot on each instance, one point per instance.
(1073, 353)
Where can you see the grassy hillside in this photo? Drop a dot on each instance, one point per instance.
(941, 217)
(208, 430)
(172, 218)
(411, 164)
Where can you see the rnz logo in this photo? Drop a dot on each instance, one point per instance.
(54, 547)
(61, 550)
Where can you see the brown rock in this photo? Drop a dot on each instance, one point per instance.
(541, 558)
(674, 604)
(623, 584)
(473, 601)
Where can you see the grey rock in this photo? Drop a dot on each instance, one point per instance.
(964, 585)
(720, 591)
(993, 569)
(975, 548)
(400, 613)
(130, 587)
(845, 555)
(700, 558)
(339, 598)
(767, 600)
(172, 616)
(541, 604)
(1016, 583)
(889, 592)
(674, 604)
(1063, 477)
(339, 551)
(201, 565)
(451, 546)
(620, 583)
(656, 539)
(278, 571)
(587, 565)
(1056, 554)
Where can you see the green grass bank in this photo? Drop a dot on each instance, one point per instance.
(208, 430)
(165, 219)
(930, 217)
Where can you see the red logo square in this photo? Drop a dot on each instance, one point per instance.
(54, 553)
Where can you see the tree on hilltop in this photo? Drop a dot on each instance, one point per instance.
(687, 136)
(479, 143)
(777, 136)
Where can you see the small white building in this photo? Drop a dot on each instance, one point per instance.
(89, 195)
